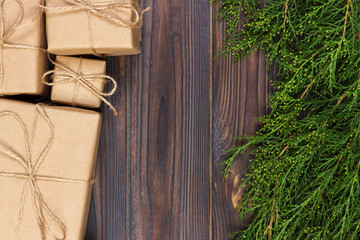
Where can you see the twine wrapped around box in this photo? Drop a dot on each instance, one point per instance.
(66, 75)
(4, 36)
(31, 177)
(105, 11)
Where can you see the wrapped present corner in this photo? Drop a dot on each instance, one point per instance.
(23, 59)
(76, 27)
(47, 159)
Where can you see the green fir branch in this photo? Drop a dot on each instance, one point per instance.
(303, 182)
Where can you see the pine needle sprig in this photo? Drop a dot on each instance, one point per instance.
(303, 182)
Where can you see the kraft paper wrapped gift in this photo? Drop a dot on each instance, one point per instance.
(22, 54)
(79, 81)
(47, 159)
(108, 27)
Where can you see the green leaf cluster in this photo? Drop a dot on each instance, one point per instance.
(303, 182)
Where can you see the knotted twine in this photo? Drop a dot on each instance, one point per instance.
(67, 75)
(4, 36)
(103, 10)
(31, 177)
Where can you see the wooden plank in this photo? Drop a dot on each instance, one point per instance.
(170, 124)
(109, 213)
(91, 230)
(240, 93)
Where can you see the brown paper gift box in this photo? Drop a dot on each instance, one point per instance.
(72, 92)
(80, 31)
(21, 63)
(62, 148)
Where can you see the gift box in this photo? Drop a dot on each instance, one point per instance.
(97, 27)
(46, 170)
(79, 81)
(22, 54)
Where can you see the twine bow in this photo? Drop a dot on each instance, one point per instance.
(67, 75)
(31, 177)
(4, 36)
(105, 11)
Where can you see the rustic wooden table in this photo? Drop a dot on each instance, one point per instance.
(158, 171)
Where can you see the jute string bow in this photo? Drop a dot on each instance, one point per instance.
(5, 35)
(106, 11)
(30, 175)
(67, 75)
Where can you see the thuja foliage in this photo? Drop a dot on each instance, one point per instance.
(303, 181)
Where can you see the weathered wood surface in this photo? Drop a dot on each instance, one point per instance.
(158, 172)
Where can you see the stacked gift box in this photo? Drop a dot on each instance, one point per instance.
(48, 152)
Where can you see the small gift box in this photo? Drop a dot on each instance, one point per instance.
(47, 165)
(22, 49)
(79, 81)
(97, 27)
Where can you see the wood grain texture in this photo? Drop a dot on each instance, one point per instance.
(158, 172)
(170, 138)
(109, 218)
(240, 94)
(153, 168)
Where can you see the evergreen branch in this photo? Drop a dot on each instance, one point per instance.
(346, 16)
(285, 12)
(303, 182)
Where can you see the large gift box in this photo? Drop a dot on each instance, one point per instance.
(46, 170)
(22, 53)
(99, 27)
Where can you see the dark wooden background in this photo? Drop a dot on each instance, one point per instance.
(158, 172)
